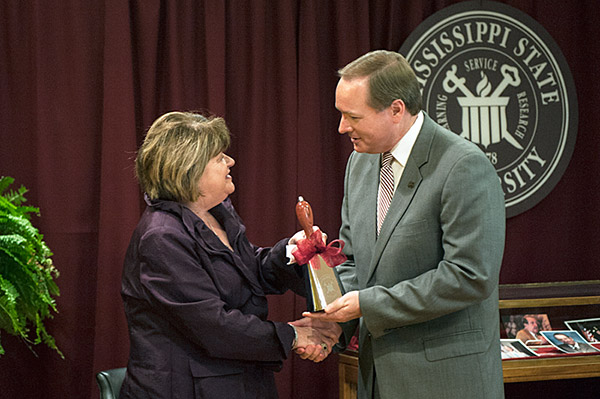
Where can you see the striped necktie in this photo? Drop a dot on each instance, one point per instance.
(386, 188)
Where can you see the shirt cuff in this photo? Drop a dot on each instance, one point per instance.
(288, 254)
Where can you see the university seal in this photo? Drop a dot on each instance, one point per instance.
(495, 76)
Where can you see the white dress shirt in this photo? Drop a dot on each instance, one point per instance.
(402, 149)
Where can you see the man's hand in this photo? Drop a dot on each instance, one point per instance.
(341, 310)
(328, 329)
(316, 338)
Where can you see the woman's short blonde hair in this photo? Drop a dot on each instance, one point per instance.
(175, 152)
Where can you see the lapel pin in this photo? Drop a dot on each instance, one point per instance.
(411, 184)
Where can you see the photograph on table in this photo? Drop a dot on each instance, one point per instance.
(588, 328)
(526, 328)
(568, 341)
(514, 348)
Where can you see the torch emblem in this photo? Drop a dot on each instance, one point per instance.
(484, 114)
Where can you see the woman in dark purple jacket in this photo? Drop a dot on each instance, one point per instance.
(194, 287)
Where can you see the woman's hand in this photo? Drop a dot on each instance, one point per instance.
(316, 338)
(301, 236)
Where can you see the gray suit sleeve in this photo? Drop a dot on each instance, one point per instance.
(347, 270)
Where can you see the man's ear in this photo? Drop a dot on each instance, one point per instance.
(398, 108)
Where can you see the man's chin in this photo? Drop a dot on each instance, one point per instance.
(365, 150)
(358, 147)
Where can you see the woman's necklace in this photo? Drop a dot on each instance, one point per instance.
(207, 223)
(218, 231)
(216, 228)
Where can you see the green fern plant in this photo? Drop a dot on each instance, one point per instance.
(27, 274)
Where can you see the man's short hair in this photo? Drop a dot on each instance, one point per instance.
(390, 78)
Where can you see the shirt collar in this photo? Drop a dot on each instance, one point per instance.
(402, 149)
(221, 212)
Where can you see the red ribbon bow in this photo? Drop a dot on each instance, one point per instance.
(307, 248)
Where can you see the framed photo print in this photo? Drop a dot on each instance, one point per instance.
(526, 328)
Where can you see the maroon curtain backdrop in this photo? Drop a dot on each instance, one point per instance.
(80, 82)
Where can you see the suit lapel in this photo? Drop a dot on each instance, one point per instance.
(404, 194)
(361, 187)
(371, 185)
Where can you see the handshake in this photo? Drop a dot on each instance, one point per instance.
(315, 338)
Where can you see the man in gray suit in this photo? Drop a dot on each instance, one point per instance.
(424, 284)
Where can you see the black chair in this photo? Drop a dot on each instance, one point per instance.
(110, 381)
